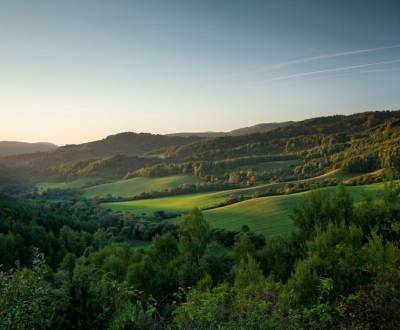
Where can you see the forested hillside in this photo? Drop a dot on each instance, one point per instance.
(360, 143)
(88, 158)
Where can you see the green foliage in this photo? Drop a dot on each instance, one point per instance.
(194, 235)
(244, 247)
(340, 269)
(217, 261)
(248, 273)
(27, 300)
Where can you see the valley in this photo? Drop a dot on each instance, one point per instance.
(151, 214)
(256, 177)
(268, 216)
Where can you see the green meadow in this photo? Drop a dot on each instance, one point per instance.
(136, 186)
(182, 203)
(266, 215)
(270, 216)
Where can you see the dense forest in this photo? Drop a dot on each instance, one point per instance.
(71, 265)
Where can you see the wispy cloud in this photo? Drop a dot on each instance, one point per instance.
(326, 56)
(337, 69)
(344, 74)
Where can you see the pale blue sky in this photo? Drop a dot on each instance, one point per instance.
(74, 71)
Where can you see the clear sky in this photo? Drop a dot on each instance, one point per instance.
(75, 71)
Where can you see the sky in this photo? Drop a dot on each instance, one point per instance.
(75, 71)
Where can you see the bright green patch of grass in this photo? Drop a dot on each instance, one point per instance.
(182, 203)
(270, 215)
(266, 215)
(136, 186)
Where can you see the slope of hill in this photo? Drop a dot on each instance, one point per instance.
(270, 215)
(127, 144)
(136, 186)
(295, 137)
(10, 148)
(318, 145)
(198, 134)
(183, 203)
(265, 215)
(259, 128)
(130, 144)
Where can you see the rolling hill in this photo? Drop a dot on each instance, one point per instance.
(11, 148)
(265, 215)
(64, 160)
(270, 215)
(361, 142)
(183, 203)
(258, 128)
(295, 137)
(136, 186)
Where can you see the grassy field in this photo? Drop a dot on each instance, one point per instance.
(180, 203)
(270, 215)
(75, 184)
(136, 186)
(266, 215)
(184, 203)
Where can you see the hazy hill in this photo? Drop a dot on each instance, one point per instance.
(259, 128)
(128, 144)
(282, 139)
(198, 134)
(318, 142)
(9, 148)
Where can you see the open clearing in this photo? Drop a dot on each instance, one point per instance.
(266, 215)
(136, 186)
(270, 215)
(182, 203)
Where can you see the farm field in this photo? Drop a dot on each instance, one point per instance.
(136, 186)
(182, 203)
(75, 184)
(270, 215)
(266, 215)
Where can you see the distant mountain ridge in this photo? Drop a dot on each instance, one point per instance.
(259, 128)
(198, 134)
(10, 148)
(61, 159)
(120, 154)
(276, 139)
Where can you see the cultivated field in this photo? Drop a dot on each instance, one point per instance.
(136, 186)
(270, 215)
(182, 203)
(266, 215)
